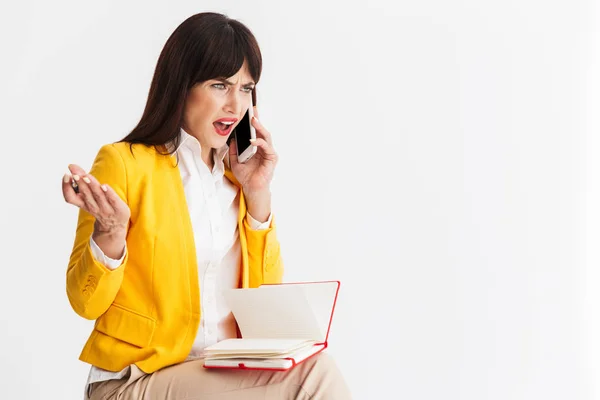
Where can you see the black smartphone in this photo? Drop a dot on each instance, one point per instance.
(243, 132)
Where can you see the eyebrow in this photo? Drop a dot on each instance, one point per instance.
(224, 80)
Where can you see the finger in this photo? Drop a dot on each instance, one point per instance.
(69, 193)
(233, 158)
(261, 131)
(76, 170)
(86, 193)
(113, 198)
(105, 207)
(265, 149)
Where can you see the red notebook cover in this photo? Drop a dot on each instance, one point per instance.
(295, 304)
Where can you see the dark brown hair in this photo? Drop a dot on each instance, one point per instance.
(205, 46)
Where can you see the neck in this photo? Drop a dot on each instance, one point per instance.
(206, 154)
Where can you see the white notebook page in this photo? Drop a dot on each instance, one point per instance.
(286, 311)
(249, 345)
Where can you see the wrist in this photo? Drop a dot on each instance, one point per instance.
(114, 232)
(257, 194)
(258, 204)
(111, 243)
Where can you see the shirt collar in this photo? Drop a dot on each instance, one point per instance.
(190, 142)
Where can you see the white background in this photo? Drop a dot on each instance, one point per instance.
(446, 152)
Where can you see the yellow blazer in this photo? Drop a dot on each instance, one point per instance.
(147, 311)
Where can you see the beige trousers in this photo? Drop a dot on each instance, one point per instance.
(316, 378)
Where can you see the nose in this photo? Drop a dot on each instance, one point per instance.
(233, 105)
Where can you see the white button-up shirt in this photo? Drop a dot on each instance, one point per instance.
(213, 203)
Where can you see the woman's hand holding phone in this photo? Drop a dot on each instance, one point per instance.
(104, 204)
(255, 175)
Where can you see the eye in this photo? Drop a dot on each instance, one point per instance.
(218, 86)
(248, 89)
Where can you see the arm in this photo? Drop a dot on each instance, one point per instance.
(264, 253)
(255, 176)
(91, 286)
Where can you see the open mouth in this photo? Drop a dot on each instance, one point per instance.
(223, 128)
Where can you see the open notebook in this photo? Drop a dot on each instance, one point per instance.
(281, 326)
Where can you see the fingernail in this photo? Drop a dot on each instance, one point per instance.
(104, 188)
(76, 177)
(252, 140)
(254, 117)
(66, 178)
(86, 179)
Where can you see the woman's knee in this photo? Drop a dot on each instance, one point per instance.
(323, 362)
(323, 379)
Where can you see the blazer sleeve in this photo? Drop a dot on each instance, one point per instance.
(264, 255)
(91, 286)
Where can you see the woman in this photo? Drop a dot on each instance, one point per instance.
(169, 219)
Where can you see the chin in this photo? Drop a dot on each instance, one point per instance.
(218, 141)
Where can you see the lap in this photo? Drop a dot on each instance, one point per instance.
(191, 381)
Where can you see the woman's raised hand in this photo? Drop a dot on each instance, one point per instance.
(104, 204)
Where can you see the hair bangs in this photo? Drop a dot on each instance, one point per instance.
(224, 55)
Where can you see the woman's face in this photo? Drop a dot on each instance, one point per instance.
(212, 104)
